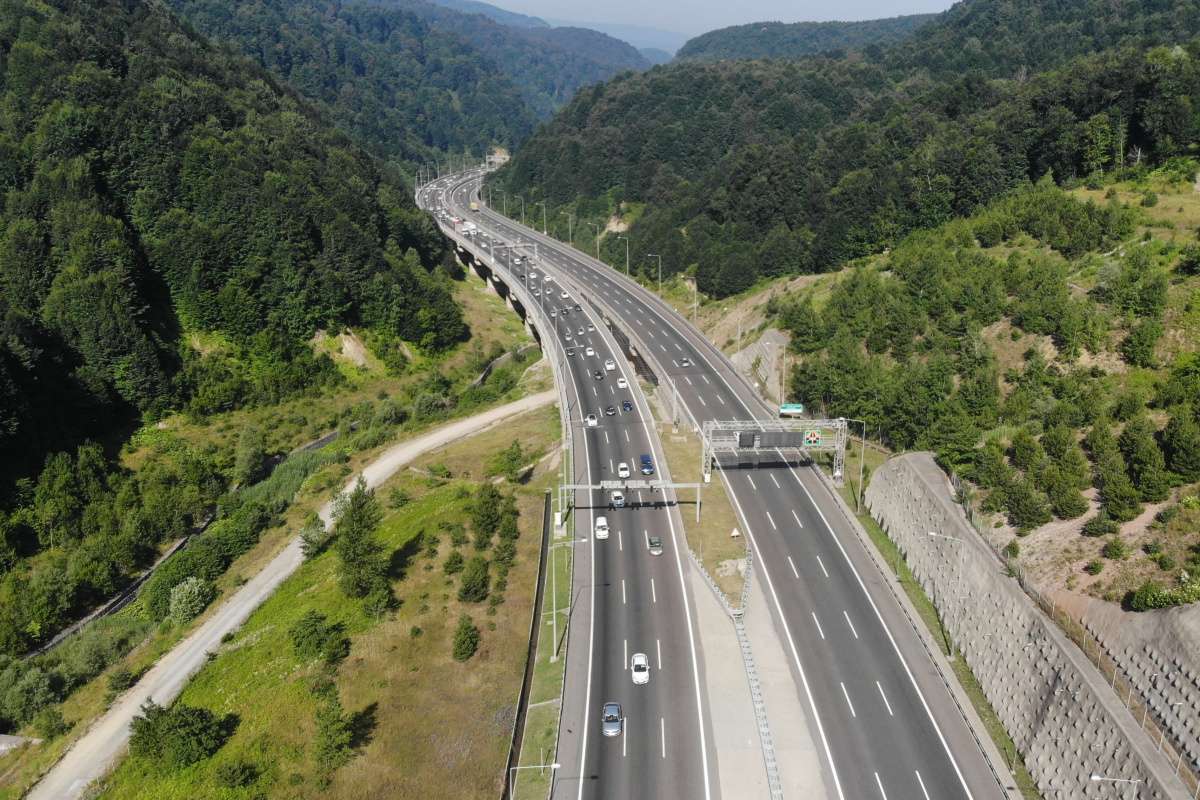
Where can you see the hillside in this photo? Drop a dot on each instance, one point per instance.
(387, 77)
(504, 17)
(746, 170)
(798, 39)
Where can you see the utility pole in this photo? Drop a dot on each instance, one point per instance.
(570, 226)
(522, 199)
(597, 227)
(626, 238)
(542, 203)
(655, 255)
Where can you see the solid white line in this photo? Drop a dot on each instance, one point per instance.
(771, 520)
(818, 622)
(622, 591)
(662, 727)
(796, 517)
(885, 700)
(879, 783)
(851, 624)
(776, 482)
(822, 563)
(653, 593)
(624, 741)
(922, 784)
(752, 486)
(792, 564)
(848, 703)
(626, 662)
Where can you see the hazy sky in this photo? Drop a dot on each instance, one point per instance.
(697, 16)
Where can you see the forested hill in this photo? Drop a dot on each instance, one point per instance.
(155, 186)
(388, 77)
(794, 40)
(747, 169)
(504, 17)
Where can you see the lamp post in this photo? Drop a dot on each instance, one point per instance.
(570, 226)
(597, 227)
(655, 255)
(522, 199)
(543, 767)
(862, 455)
(1097, 778)
(542, 203)
(626, 238)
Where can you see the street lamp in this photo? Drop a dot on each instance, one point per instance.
(542, 203)
(570, 226)
(543, 767)
(655, 255)
(626, 238)
(862, 455)
(522, 199)
(597, 227)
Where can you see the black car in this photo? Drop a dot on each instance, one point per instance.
(626, 406)
(598, 375)
(578, 307)
(685, 362)
(611, 411)
(570, 351)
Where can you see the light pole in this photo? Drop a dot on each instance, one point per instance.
(542, 203)
(522, 199)
(542, 767)
(570, 226)
(862, 454)
(626, 238)
(655, 255)
(1097, 778)
(597, 227)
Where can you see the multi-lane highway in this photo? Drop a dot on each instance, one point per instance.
(881, 716)
(627, 600)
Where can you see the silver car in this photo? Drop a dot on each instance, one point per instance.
(612, 721)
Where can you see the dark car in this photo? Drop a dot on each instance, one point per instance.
(647, 464)
(598, 375)
(578, 307)
(611, 411)
(685, 362)
(570, 351)
(626, 406)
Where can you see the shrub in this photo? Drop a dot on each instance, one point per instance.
(314, 537)
(1012, 549)
(175, 737)
(466, 639)
(49, 723)
(1094, 567)
(1149, 200)
(313, 635)
(1164, 562)
(189, 598)
(1152, 548)
(398, 498)
(120, 679)
(476, 582)
(1099, 525)
(453, 564)
(1115, 549)
(236, 774)
(1189, 260)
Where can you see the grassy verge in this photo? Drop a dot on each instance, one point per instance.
(429, 726)
(710, 538)
(933, 622)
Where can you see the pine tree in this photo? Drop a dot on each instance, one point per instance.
(466, 639)
(1181, 438)
(363, 567)
(1147, 467)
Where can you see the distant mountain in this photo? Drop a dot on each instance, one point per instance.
(636, 35)
(799, 39)
(654, 55)
(510, 18)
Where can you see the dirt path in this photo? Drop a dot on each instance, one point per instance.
(98, 749)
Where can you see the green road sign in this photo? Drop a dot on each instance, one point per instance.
(791, 409)
(812, 438)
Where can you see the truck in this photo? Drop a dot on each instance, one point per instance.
(474, 205)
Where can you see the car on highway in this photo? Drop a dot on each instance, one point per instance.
(639, 666)
(622, 470)
(532, 275)
(517, 260)
(612, 721)
(617, 501)
(610, 411)
(554, 312)
(589, 352)
(567, 336)
(591, 420)
(685, 362)
(548, 279)
(626, 406)
(578, 307)
(654, 545)
(610, 365)
(622, 383)
(602, 527)
(598, 375)
(564, 296)
(647, 464)
(570, 352)
(579, 332)
(591, 327)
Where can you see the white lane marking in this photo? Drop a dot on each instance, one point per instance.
(879, 783)
(792, 564)
(594, 392)
(848, 703)
(721, 398)
(822, 563)
(797, 518)
(771, 520)
(662, 729)
(627, 435)
(660, 347)
(606, 438)
(626, 662)
(658, 649)
(776, 482)
(702, 401)
(818, 622)
(620, 541)
(851, 624)
(653, 592)
(706, 380)
(885, 700)
(622, 591)
(677, 347)
(610, 465)
(624, 738)
(922, 783)
(752, 486)
(646, 537)
(689, 380)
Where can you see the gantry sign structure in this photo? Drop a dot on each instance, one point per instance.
(749, 441)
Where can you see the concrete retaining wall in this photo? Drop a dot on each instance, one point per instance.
(1058, 708)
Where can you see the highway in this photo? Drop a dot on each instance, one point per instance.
(627, 600)
(880, 714)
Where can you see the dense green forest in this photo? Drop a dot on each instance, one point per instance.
(738, 171)
(796, 39)
(510, 18)
(388, 77)
(1038, 347)
(174, 228)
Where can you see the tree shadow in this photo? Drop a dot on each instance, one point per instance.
(402, 558)
(362, 725)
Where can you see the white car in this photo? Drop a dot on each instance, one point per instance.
(517, 260)
(591, 327)
(622, 470)
(622, 383)
(589, 352)
(567, 336)
(639, 666)
(618, 500)
(610, 365)
(601, 527)
(564, 295)
(548, 279)
(533, 276)
(591, 420)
